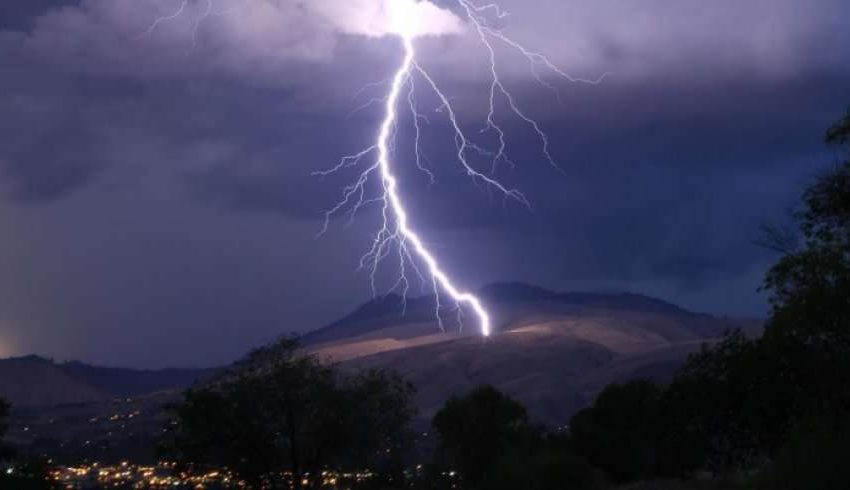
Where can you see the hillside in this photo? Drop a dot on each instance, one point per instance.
(33, 381)
(552, 351)
(556, 365)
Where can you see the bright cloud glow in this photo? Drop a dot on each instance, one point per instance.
(406, 18)
(410, 18)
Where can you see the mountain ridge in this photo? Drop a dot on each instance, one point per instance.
(393, 308)
(33, 380)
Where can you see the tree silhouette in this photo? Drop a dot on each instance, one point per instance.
(839, 133)
(616, 433)
(476, 429)
(26, 473)
(779, 403)
(739, 403)
(278, 410)
(488, 438)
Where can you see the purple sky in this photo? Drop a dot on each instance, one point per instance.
(157, 204)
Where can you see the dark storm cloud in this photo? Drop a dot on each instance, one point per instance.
(159, 192)
(57, 172)
(20, 15)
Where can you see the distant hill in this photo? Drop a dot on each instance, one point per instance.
(32, 380)
(35, 381)
(133, 382)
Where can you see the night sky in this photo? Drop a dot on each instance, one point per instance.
(157, 204)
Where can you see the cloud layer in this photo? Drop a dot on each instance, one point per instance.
(156, 182)
(385, 17)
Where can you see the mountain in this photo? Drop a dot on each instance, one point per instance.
(552, 351)
(392, 323)
(33, 381)
(505, 298)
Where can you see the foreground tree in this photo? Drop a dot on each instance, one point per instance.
(19, 473)
(476, 429)
(279, 410)
(548, 464)
(839, 133)
(809, 334)
(814, 457)
(779, 403)
(489, 439)
(740, 404)
(616, 434)
(707, 416)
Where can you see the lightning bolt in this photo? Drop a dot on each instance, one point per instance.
(403, 234)
(396, 231)
(396, 235)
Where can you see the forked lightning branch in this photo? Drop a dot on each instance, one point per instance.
(397, 239)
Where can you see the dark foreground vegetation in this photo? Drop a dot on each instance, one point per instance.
(278, 411)
(773, 412)
(767, 413)
(28, 473)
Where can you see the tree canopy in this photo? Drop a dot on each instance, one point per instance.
(475, 429)
(779, 403)
(281, 411)
(839, 133)
(489, 439)
(740, 403)
(615, 440)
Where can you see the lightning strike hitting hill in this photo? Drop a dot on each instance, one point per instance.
(408, 19)
(396, 232)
